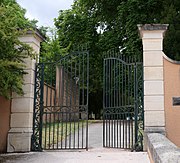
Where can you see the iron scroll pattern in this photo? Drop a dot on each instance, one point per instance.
(138, 146)
(36, 142)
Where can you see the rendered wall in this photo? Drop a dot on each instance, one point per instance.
(172, 89)
(5, 110)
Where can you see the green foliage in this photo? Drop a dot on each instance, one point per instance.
(12, 51)
(171, 16)
(106, 24)
(51, 50)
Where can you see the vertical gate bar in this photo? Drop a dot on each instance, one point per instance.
(129, 128)
(78, 133)
(109, 128)
(109, 104)
(109, 89)
(58, 131)
(113, 100)
(86, 131)
(70, 130)
(123, 129)
(66, 128)
(123, 105)
(66, 97)
(120, 130)
(53, 101)
(87, 104)
(49, 129)
(114, 83)
(83, 102)
(61, 87)
(41, 106)
(104, 99)
(114, 130)
(71, 107)
(63, 105)
(54, 125)
(136, 107)
(106, 134)
(79, 96)
(125, 102)
(119, 103)
(126, 130)
(46, 96)
(117, 130)
(45, 130)
(82, 133)
(51, 84)
(121, 99)
(111, 76)
(75, 99)
(62, 130)
(132, 104)
(129, 109)
(59, 102)
(74, 130)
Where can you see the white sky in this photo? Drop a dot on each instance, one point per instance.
(44, 10)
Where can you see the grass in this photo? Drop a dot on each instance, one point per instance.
(54, 133)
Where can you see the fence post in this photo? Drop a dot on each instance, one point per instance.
(152, 39)
(19, 135)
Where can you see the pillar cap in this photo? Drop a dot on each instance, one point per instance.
(146, 28)
(37, 33)
(151, 27)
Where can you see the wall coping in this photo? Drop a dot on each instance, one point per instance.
(37, 33)
(161, 149)
(170, 60)
(152, 27)
(34, 32)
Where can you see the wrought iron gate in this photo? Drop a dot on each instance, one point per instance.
(61, 103)
(122, 102)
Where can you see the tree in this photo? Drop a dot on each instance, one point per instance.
(111, 24)
(12, 52)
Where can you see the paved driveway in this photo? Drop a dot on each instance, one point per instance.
(95, 154)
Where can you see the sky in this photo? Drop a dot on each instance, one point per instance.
(44, 10)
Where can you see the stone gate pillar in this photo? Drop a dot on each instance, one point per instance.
(152, 39)
(19, 135)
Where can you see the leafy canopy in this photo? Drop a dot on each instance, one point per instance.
(107, 24)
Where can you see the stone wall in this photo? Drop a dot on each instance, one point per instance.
(67, 93)
(5, 110)
(161, 150)
(48, 99)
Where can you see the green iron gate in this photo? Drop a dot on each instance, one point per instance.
(61, 103)
(123, 113)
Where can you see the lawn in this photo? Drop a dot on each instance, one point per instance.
(54, 133)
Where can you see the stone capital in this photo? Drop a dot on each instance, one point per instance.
(152, 36)
(152, 30)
